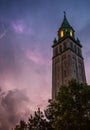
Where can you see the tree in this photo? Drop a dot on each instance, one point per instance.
(21, 126)
(16, 127)
(71, 108)
(38, 121)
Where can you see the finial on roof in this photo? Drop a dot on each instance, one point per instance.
(64, 14)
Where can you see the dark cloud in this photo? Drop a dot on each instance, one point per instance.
(14, 9)
(12, 105)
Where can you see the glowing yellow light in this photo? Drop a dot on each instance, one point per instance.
(71, 33)
(62, 33)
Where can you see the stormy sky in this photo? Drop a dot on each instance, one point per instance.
(27, 31)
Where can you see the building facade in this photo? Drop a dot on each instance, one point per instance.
(67, 60)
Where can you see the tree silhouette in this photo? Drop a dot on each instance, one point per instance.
(38, 121)
(71, 108)
(22, 126)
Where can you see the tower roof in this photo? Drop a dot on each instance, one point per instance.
(65, 24)
(66, 31)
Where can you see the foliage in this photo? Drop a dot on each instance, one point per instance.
(22, 126)
(69, 111)
(38, 122)
(71, 108)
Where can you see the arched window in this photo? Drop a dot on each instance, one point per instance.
(65, 45)
(71, 33)
(79, 51)
(71, 45)
(62, 33)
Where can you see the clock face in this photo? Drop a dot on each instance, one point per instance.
(61, 33)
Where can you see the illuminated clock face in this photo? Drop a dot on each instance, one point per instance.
(71, 33)
(61, 33)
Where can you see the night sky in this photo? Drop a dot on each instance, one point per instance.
(27, 31)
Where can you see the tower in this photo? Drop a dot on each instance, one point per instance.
(67, 60)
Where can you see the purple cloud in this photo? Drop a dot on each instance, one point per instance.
(37, 57)
(13, 107)
(18, 27)
(3, 34)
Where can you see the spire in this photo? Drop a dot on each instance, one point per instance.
(64, 14)
(65, 23)
(65, 28)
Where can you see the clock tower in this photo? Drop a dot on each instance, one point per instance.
(67, 60)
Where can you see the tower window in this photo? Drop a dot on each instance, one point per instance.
(56, 50)
(60, 48)
(62, 33)
(75, 48)
(64, 45)
(71, 33)
(71, 45)
(79, 52)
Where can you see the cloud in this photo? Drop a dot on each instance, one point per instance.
(3, 34)
(18, 25)
(16, 105)
(37, 57)
(13, 107)
(3, 30)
